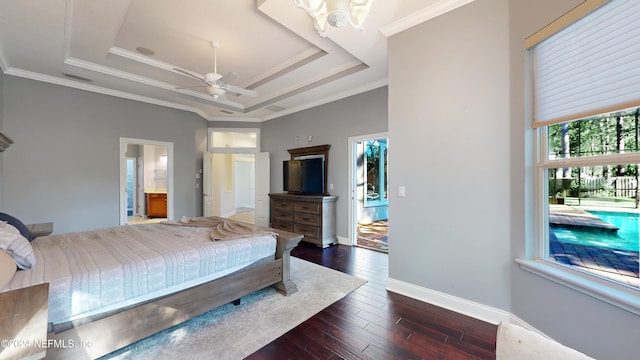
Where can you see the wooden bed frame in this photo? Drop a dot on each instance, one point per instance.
(93, 337)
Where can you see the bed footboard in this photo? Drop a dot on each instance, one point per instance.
(97, 337)
(286, 242)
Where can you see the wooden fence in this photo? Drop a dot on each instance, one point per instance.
(618, 186)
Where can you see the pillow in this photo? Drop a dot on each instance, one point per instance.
(18, 225)
(16, 245)
(7, 269)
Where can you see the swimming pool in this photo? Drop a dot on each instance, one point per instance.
(627, 237)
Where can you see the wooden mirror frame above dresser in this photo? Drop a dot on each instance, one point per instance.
(314, 151)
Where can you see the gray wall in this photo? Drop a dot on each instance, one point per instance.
(449, 128)
(331, 124)
(461, 148)
(64, 165)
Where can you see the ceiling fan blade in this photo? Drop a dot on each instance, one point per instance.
(240, 91)
(188, 73)
(190, 87)
(229, 78)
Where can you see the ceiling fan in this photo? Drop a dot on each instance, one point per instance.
(216, 84)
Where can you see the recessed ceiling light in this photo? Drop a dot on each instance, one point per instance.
(144, 51)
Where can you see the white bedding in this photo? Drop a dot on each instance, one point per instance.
(95, 271)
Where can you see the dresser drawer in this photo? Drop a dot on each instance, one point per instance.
(283, 215)
(281, 225)
(283, 205)
(308, 208)
(307, 219)
(306, 230)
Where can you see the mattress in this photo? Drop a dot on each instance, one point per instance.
(103, 270)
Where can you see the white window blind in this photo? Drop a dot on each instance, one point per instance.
(589, 68)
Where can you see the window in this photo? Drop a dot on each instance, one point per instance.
(234, 140)
(586, 110)
(590, 170)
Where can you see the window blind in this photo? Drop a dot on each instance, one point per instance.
(590, 67)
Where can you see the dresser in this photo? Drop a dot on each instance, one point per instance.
(308, 215)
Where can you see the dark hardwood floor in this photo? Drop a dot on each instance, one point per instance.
(372, 323)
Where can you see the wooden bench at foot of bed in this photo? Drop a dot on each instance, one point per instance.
(95, 337)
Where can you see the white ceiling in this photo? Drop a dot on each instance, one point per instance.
(270, 44)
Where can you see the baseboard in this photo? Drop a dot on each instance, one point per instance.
(463, 306)
(343, 241)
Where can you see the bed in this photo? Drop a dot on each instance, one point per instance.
(112, 287)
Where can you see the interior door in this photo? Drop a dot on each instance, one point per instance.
(207, 184)
(262, 183)
(167, 180)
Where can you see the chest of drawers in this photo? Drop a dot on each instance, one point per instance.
(308, 215)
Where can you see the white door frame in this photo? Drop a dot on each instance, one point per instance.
(262, 202)
(353, 226)
(142, 207)
(134, 190)
(207, 184)
(123, 174)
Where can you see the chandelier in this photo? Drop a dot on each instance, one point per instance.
(337, 13)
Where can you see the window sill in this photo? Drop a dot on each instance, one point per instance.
(626, 298)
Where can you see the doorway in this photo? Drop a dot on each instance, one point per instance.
(236, 186)
(368, 179)
(245, 188)
(146, 175)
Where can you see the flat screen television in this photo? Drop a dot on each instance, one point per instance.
(304, 177)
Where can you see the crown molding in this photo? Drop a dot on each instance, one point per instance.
(115, 50)
(367, 87)
(296, 62)
(5, 142)
(4, 66)
(125, 95)
(428, 13)
(227, 104)
(100, 90)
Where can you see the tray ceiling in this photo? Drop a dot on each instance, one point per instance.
(131, 48)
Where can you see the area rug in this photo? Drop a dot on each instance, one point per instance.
(234, 332)
(515, 342)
